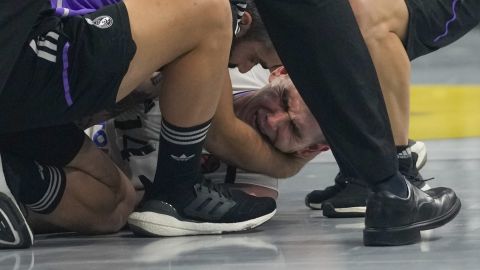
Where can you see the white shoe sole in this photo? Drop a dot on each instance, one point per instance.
(154, 224)
(421, 149)
(23, 236)
(315, 206)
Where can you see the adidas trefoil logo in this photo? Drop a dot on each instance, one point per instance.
(183, 157)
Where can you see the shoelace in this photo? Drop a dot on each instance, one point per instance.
(203, 183)
(218, 188)
(416, 178)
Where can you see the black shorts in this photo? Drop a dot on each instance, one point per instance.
(434, 24)
(54, 146)
(69, 68)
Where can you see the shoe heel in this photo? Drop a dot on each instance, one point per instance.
(14, 223)
(375, 237)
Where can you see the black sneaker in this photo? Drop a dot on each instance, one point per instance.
(14, 230)
(352, 200)
(410, 162)
(349, 202)
(348, 197)
(315, 198)
(392, 221)
(206, 208)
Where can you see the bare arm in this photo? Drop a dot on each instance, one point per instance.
(237, 143)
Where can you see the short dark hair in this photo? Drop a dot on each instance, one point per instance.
(257, 30)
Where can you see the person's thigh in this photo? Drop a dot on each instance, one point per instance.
(70, 67)
(97, 197)
(89, 204)
(76, 66)
(56, 146)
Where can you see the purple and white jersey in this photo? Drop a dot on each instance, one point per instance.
(66, 8)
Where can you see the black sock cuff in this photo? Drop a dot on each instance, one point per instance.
(401, 148)
(55, 181)
(185, 129)
(37, 186)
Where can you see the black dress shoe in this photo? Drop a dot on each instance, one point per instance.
(348, 197)
(392, 221)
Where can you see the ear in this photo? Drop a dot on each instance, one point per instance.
(245, 23)
(280, 71)
(312, 151)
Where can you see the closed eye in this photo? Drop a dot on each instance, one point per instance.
(285, 102)
(295, 130)
(285, 99)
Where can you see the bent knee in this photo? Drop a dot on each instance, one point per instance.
(217, 24)
(377, 20)
(370, 23)
(111, 223)
(216, 13)
(116, 219)
(108, 214)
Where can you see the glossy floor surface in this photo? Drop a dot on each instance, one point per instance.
(299, 238)
(296, 238)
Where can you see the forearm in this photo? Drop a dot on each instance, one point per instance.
(237, 143)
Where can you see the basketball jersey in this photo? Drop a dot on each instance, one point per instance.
(131, 140)
(81, 7)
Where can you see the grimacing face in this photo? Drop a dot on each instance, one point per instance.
(280, 115)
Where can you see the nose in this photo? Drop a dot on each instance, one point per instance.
(278, 119)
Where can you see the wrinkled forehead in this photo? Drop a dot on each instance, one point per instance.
(282, 81)
(310, 127)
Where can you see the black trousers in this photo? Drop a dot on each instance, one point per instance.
(322, 48)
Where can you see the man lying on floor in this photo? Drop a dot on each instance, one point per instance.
(136, 148)
(276, 111)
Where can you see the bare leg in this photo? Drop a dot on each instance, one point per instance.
(98, 197)
(192, 40)
(383, 24)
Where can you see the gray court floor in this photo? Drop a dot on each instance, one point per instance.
(299, 238)
(296, 238)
